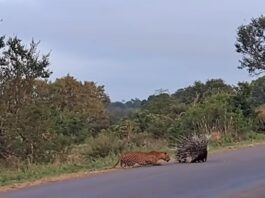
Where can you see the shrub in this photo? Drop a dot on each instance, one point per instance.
(103, 145)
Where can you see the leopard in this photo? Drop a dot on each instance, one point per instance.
(142, 159)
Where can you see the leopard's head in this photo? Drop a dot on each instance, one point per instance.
(165, 156)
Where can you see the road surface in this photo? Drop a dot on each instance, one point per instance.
(231, 174)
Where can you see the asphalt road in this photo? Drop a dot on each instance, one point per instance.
(232, 174)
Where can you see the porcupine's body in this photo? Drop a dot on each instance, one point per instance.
(192, 149)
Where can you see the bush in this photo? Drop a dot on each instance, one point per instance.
(73, 126)
(155, 124)
(102, 146)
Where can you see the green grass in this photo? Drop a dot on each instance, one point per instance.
(35, 172)
(251, 138)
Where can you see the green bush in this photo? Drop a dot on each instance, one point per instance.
(102, 146)
(155, 124)
(73, 126)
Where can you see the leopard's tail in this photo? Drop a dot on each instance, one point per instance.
(116, 163)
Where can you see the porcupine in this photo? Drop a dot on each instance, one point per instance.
(192, 148)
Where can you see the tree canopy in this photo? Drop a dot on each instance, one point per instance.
(251, 44)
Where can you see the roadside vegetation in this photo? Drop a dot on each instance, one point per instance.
(49, 128)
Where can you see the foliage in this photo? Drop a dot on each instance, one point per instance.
(258, 91)
(73, 126)
(41, 120)
(243, 99)
(158, 104)
(155, 124)
(199, 91)
(70, 95)
(21, 118)
(103, 145)
(120, 110)
(216, 113)
(251, 44)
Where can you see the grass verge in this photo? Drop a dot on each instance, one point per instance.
(10, 179)
(13, 178)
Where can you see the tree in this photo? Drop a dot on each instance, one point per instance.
(84, 100)
(243, 99)
(19, 68)
(22, 115)
(258, 91)
(251, 44)
(120, 110)
(159, 104)
(199, 91)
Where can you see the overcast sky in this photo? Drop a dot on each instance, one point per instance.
(135, 47)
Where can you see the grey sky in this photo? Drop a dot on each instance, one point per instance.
(135, 47)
